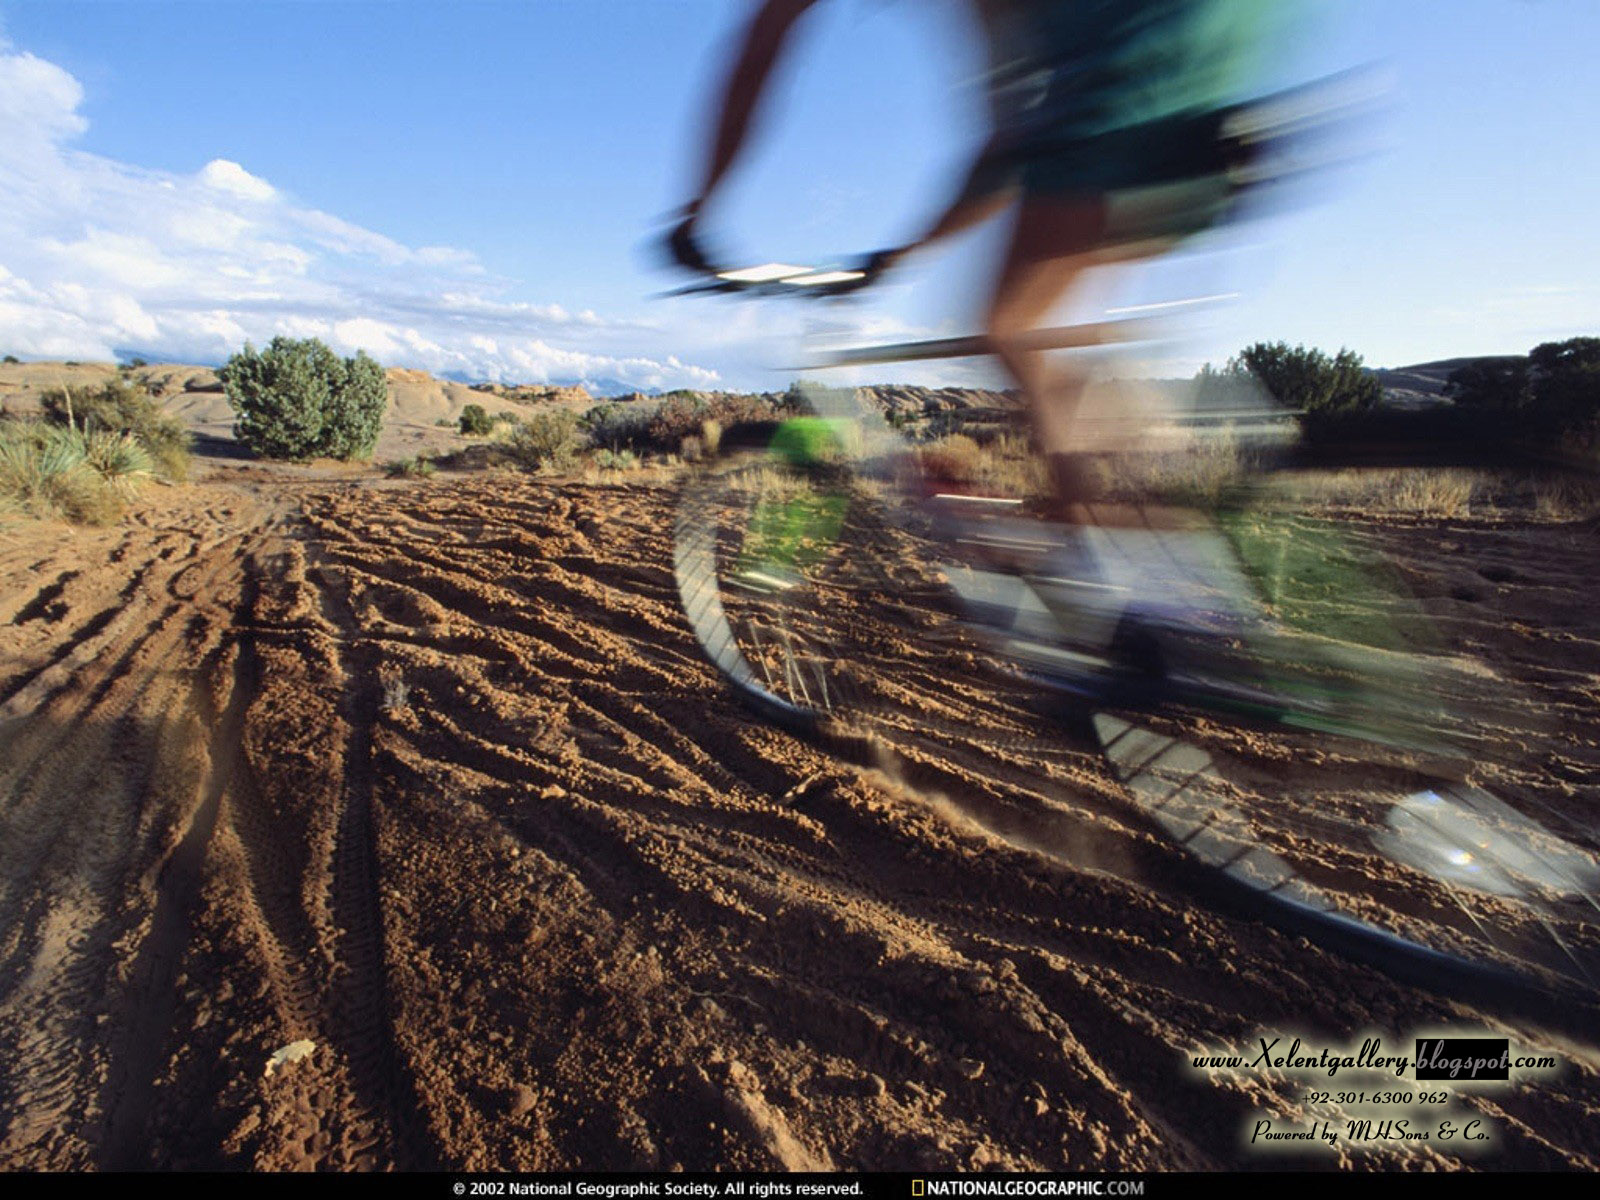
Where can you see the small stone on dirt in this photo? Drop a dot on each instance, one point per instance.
(523, 1099)
(292, 1053)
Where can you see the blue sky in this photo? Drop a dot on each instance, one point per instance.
(472, 186)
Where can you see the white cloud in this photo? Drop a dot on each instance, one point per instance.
(230, 177)
(99, 256)
(37, 99)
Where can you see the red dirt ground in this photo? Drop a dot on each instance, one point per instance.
(434, 777)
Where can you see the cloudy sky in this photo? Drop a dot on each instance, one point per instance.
(473, 187)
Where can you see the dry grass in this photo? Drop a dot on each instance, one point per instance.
(1002, 466)
(1199, 474)
(1421, 492)
(1566, 497)
(1456, 493)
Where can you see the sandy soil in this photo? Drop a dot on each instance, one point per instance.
(431, 776)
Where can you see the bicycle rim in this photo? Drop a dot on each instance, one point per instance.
(770, 566)
(1408, 867)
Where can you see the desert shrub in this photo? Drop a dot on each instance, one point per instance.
(617, 426)
(955, 457)
(615, 460)
(298, 400)
(420, 467)
(119, 458)
(46, 471)
(355, 413)
(1550, 396)
(1329, 394)
(687, 414)
(123, 408)
(675, 418)
(546, 440)
(475, 420)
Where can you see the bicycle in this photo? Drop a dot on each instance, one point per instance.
(802, 531)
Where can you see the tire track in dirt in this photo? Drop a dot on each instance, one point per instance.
(132, 1080)
(471, 815)
(110, 738)
(387, 1130)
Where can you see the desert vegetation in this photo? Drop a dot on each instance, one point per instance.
(546, 441)
(85, 454)
(1542, 404)
(419, 466)
(1549, 396)
(475, 421)
(297, 400)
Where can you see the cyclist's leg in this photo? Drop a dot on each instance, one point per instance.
(1052, 244)
(1055, 240)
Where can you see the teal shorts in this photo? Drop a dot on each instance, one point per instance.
(1104, 97)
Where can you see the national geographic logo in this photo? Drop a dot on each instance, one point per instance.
(1027, 1187)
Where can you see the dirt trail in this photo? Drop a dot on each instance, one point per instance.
(434, 778)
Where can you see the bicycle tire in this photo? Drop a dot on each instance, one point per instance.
(1483, 902)
(1442, 945)
(764, 641)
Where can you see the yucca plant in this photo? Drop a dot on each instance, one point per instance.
(120, 458)
(124, 407)
(45, 470)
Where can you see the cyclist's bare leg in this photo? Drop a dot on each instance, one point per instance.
(1055, 240)
(1052, 244)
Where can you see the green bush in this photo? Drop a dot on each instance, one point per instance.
(1549, 395)
(420, 467)
(1325, 392)
(475, 420)
(119, 458)
(546, 440)
(615, 460)
(618, 426)
(298, 400)
(123, 409)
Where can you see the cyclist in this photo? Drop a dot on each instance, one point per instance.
(1108, 142)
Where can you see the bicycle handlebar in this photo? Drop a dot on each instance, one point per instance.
(769, 279)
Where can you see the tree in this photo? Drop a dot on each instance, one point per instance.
(1566, 386)
(475, 420)
(1550, 394)
(1491, 384)
(298, 400)
(1309, 381)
